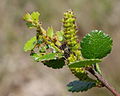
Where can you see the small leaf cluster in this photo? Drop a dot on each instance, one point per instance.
(32, 19)
(56, 49)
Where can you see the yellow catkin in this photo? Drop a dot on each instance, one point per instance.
(71, 40)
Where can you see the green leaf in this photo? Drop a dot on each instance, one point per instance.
(48, 56)
(80, 86)
(36, 56)
(32, 19)
(42, 49)
(50, 32)
(84, 63)
(60, 35)
(27, 17)
(30, 25)
(35, 16)
(96, 44)
(55, 64)
(29, 45)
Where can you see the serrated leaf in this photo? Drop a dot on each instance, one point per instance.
(84, 63)
(55, 64)
(60, 35)
(96, 44)
(80, 86)
(29, 45)
(35, 16)
(50, 32)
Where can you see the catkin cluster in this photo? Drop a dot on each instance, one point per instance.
(70, 30)
(70, 37)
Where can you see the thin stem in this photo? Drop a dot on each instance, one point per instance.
(51, 44)
(43, 32)
(103, 81)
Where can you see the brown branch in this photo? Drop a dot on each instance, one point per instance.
(103, 81)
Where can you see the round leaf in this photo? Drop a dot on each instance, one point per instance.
(96, 45)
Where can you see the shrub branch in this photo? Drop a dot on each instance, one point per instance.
(103, 81)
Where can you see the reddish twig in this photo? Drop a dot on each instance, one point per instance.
(103, 81)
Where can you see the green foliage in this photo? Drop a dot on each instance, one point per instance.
(80, 86)
(96, 45)
(30, 25)
(84, 63)
(50, 32)
(60, 35)
(36, 56)
(30, 44)
(53, 60)
(55, 49)
(55, 63)
(27, 17)
(35, 16)
(49, 56)
(32, 19)
(44, 57)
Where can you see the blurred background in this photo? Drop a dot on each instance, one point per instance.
(21, 76)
